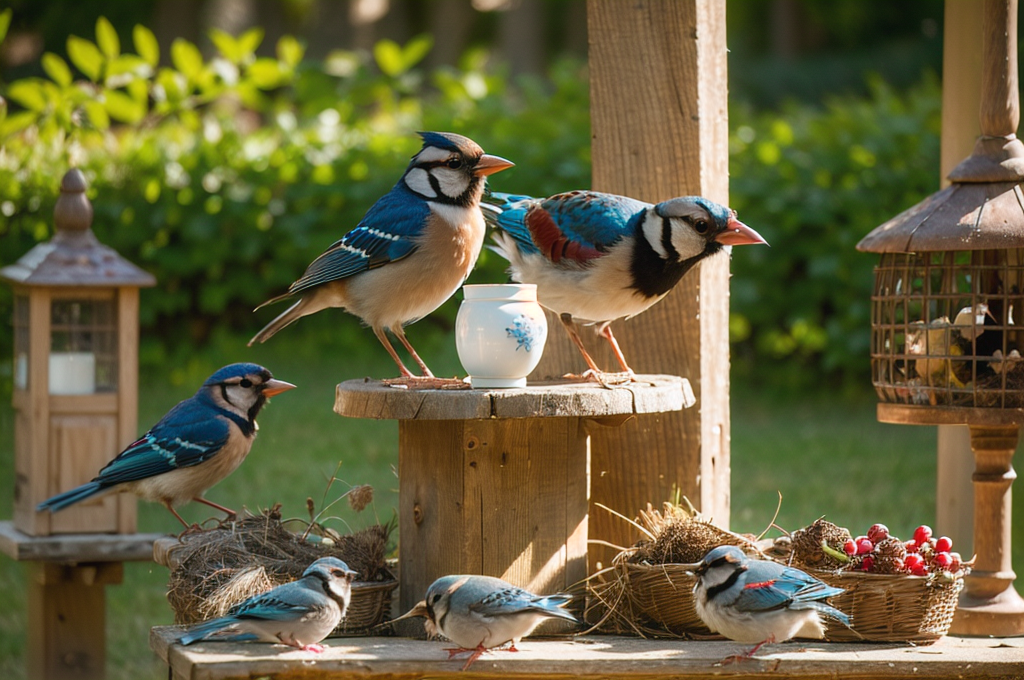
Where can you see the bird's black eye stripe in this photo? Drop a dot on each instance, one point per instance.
(245, 382)
(666, 239)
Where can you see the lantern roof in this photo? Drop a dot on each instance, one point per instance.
(983, 209)
(74, 256)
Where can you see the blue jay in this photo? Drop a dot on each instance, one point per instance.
(411, 251)
(758, 601)
(599, 257)
(197, 444)
(481, 612)
(299, 614)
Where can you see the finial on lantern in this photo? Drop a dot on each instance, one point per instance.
(73, 212)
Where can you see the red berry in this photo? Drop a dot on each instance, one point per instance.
(942, 560)
(912, 560)
(850, 547)
(955, 562)
(867, 564)
(864, 546)
(920, 570)
(898, 566)
(878, 532)
(911, 546)
(922, 534)
(943, 544)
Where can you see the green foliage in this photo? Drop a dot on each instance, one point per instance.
(814, 182)
(226, 177)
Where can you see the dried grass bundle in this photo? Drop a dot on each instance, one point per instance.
(219, 567)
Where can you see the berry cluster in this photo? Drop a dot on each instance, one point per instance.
(880, 553)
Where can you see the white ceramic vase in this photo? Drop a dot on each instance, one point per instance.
(499, 333)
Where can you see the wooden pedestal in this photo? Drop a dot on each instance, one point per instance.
(989, 605)
(66, 597)
(496, 482)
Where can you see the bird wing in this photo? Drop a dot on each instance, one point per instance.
(767, 589)
(189, 434)
(289, 602)
(386, 234)
(573, 227)
(516, 600)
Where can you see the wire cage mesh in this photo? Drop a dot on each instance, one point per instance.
(946, 328)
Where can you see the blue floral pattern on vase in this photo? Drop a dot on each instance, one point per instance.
(524, 330)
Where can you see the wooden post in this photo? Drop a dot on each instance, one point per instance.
(961, 94)
(660, 129)
(67, 619)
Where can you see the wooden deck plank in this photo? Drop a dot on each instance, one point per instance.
(592, 657)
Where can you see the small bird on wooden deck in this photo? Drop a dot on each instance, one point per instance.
(411, 251)
(482, 612)
(299, 614)
(598, 257)
(759, 601)
(197, 444)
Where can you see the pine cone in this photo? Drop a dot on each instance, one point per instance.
(888, 555)
(807, 544)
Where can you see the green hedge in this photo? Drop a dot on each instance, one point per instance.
(224, 177)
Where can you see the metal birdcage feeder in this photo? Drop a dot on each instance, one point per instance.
(947, 321)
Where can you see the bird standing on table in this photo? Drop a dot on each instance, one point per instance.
(481, 612)
(411, 251)
(299, 614)
(197, 444)
(758, 601)
(599, 257)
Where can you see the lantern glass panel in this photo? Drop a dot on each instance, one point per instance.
(83, 346)
(946, 328)
(21, 342)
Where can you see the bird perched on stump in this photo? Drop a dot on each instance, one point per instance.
(598, 257)
(759, 601)
(197, 444)
(299, 614)
(482, 612)
(411, 251)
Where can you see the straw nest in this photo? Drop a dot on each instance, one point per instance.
(220, 567)
(647, 590)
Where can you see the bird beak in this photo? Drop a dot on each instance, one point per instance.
(272, 387)
(488, 165)
(738, 234)
(419, 610)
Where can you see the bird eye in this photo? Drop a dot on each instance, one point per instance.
(454, 163)
(434, 599)
(245, 382)
(701, 226)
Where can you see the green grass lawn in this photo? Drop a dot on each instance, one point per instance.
(825, 454)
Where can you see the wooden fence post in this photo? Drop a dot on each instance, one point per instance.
(660, 129)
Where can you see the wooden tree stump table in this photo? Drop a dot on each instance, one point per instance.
(497, 482)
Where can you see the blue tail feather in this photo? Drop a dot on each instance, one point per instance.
(63, 500)
(204, 630)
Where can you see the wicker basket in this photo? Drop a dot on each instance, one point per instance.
(892, 608)
(662, 594)
(371, 602)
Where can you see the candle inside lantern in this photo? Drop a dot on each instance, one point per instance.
(72, 373)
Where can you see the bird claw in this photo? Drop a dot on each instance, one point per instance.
(314, 647)
(421, 382)
(606, 379)
(191, 529)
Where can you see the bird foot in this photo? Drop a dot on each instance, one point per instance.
(421, 382)
(314, 647)
(606, 379)
(191, 529)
